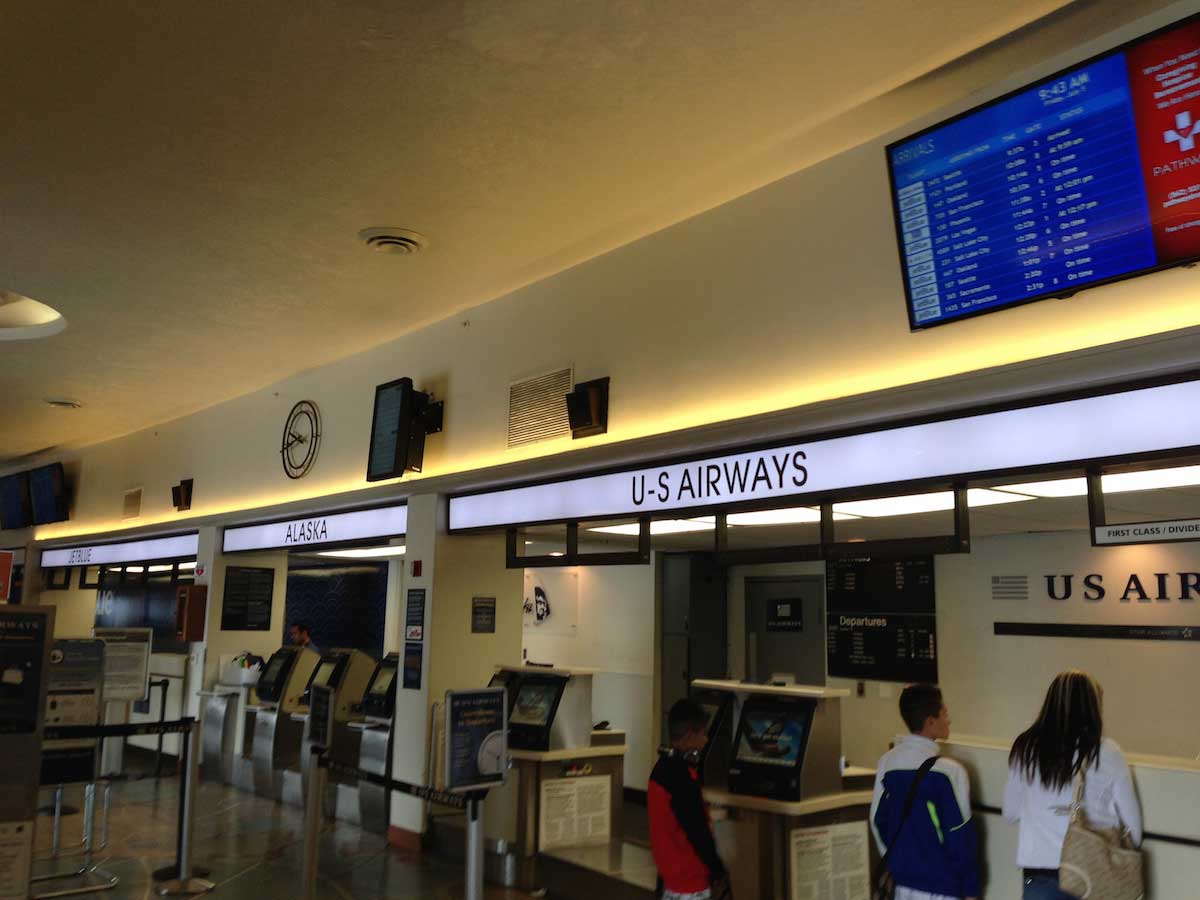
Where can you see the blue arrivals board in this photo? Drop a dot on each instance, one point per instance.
(1080, 179)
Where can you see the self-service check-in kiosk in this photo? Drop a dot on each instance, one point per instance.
(554, 751)
(715, 758)
(277, 736)
(347, 672)
(782, 801)
(378, 708)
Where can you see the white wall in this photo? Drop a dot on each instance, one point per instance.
(995, 685)
(614, 636)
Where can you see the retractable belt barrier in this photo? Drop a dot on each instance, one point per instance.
(79, 732)
(433, 795)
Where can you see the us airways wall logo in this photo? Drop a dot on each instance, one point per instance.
(1147, 588)
(762, 474)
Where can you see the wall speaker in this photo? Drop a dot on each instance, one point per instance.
(587, 408)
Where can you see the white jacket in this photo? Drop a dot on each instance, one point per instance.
(1043, 814)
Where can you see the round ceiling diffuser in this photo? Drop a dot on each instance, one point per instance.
(399, 241)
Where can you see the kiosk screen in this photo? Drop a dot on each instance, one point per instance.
(771, 736)
(383, 681)
(535, 704)
(275, 669)
(324, 673)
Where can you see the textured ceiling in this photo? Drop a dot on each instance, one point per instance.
(185, 181)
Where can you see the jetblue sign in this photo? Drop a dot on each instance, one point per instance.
(305, 531)
(179, 546)
(1069, 431)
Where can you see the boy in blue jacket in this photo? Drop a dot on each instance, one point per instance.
(934, 853)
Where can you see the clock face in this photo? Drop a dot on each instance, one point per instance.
(491, 754)
(301, 439)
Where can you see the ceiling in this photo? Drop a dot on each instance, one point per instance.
(184, 182)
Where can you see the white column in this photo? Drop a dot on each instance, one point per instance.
(411, 727)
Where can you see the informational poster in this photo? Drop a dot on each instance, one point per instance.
(248, 597)
(575, 812)
(7, 564)
(830, 861)
(23, 637)
(476, 745)
(881, 621)
(414, 654)
(126, 664)
(16, 856)
(551, 601)
(414, 615)
(73, 697)
(483, 615)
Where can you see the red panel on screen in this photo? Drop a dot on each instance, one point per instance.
(1164, 76)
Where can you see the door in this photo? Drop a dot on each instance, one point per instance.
(785, 628)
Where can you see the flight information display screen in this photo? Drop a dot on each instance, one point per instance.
(1089, 176)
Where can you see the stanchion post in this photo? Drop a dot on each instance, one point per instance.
(186, 884)
(312, 824)
(474, 886)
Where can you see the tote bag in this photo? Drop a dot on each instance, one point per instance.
(1099, 863)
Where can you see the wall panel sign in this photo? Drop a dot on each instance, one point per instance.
(1147, 532)
(1109, 632)
(76, 685)
(246, 602)
(177, 547)
(880, 622)
(305, 531)
(23, 637)
(483, 615)
(126, 663)
(414, 615)
(1119, 424)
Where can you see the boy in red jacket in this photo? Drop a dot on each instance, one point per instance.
(681, 836)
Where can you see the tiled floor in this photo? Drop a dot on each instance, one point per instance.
(252, 846)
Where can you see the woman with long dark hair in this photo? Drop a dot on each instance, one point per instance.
(1065, 743)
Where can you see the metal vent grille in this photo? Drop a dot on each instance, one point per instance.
(537, 408)
(1010, 587)
(131, 504)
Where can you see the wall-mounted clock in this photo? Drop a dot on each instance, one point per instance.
(301, 439)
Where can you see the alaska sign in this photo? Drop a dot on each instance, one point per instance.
(306, 531)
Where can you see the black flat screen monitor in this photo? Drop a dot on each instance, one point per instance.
(48, 494)
(1081, 178)
(15, 508)
(772, 737)
(533, 711)
(273, 680)
(397, 431)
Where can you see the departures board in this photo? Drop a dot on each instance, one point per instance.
(1085, 177)
(881, 621)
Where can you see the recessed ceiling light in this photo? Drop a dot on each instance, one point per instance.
(63, 403)
(662, 526)
(939, 501)
(397, 241)
(794, 516)
(1154, 479)
(365, 552)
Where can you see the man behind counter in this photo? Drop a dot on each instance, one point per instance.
(301, 636)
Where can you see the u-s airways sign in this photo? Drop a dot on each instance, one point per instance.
(1113, 425)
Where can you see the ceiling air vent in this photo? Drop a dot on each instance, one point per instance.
(537, 408)
(399, 241)
(131, 504)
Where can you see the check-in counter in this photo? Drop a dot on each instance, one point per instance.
(773, 780)
(277, 735)
(1169, 790)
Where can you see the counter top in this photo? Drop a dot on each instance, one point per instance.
(573, 753)
(820, 692)
(821, 803)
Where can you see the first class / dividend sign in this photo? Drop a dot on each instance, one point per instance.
(881, 619)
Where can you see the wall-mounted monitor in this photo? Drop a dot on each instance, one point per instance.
(399, 425)
(1082, 178)
(15, 506)
(48, 494)
(770, 745)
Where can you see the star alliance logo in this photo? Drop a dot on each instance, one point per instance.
(1184, 132)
